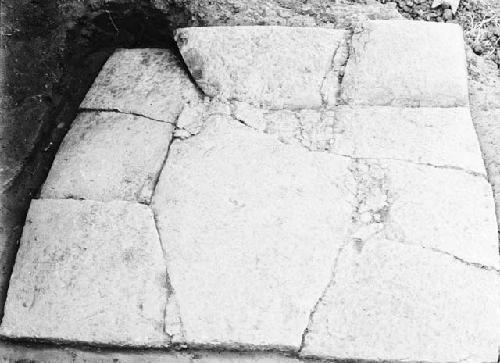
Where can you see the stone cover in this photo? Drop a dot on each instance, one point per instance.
(89, 272)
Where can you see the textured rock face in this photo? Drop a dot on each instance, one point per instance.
(147, 82)
(401, 63)
(262, 65)
(250, 227)
(88, 271)
(105, 157)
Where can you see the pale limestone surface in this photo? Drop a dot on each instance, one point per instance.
(487, 124)
(266, 242)
(308, 128)
(109, 156)
(147, 82)
(88, 271)
(277, 67)
(251, 227)
(404, 63)
(437, 136)
(438, 208)
(394, 301)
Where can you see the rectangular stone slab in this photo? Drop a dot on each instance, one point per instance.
(109, 156)
(437, 136)
(278, 67)
(390, 301)
(250, 227)
(448, 210)
(89, 272)
(148, 82)
(406, 63)
(442, 209)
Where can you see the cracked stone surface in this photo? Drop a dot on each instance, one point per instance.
(250, 227)
(94, 163)
(437, 136)
(422, 205)
(488, 128)
(90, 272)
(260, 65)
(326, 197)
(393, 301)
(147, 82)
(308, 128)
(402, 63)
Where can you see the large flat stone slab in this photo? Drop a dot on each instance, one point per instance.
(437, 136)
(406, 63)
(390, 301)
(109, 156)
(148, 82)
(90, 272)
(437, 208)
(251, 227)
(278, 67)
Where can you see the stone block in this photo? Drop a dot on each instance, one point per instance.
(393, 302)
(147, 82)
(88, 272)
(109, 156)
(251, 227)
(406, 63)
(276, 67)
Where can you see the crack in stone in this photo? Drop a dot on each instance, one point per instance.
(439, 251)
(376, 180)
(374, 158)
(330, 284)
(168, 283)
(447, 167)
(116, 110)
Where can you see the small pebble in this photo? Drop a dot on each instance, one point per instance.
(448, 14)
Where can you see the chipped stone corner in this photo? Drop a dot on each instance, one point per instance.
(331, 86)
(173, 326)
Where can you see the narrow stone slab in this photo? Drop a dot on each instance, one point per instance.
(389, 301)
(90, 272)
(406, 63)
(148, 82)
(109, 156)
(278, 67)
(438, 136)
(250, 227)
(437, 208)
(487, 126)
